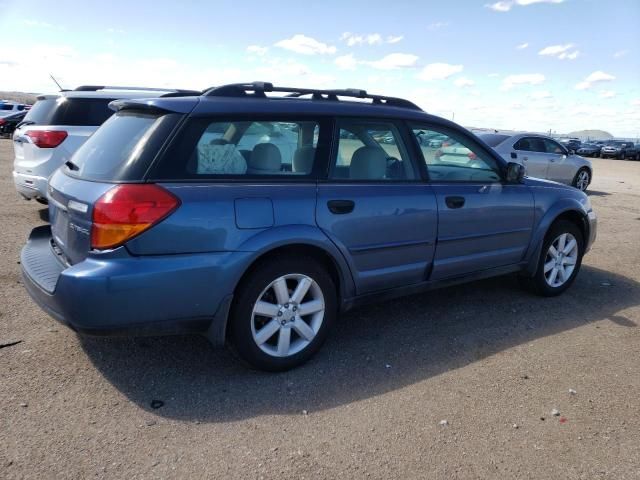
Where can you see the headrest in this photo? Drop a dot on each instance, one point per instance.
(368, 163)
(265, 159)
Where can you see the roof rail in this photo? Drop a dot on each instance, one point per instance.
(258, 90)
(183, 93)
(94, 88)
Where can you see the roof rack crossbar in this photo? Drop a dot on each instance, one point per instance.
(258, 89)
(94, 88)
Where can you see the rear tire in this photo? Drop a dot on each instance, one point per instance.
(267, 327)
(545, 282)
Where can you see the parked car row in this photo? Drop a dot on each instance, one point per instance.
(254, 218)
(621, 149)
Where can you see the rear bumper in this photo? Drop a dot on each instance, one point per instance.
(30, 186)
(128, 295)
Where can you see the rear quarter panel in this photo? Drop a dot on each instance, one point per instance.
(214, 217)
(32, 160)
(218, 217)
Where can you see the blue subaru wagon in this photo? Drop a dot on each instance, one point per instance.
(254, 214)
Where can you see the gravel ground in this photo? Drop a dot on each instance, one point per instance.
(486, 357)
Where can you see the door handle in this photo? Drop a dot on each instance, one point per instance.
(454, 202)
(552, 160)
(525, 158)
(340, 207)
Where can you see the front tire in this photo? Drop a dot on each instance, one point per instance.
(560, 260)
(282, 313)
(582, 179)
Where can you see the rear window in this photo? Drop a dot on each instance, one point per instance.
(245, 148)
(123, 148)
(41, 111)
(493, 139)
(70, 111)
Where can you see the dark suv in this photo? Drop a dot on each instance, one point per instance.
(256, 219)
(620, 149)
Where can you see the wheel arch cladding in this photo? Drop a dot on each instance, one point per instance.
(299, 250)
(570, 210)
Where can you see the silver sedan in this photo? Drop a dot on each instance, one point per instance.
(542, 157)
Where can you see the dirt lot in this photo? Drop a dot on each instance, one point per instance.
(489, 359)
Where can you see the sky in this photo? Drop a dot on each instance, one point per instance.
(539, 65)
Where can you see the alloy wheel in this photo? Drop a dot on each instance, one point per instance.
(287, 315)
(582, 182)
(561, 260)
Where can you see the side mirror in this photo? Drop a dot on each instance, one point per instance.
(515, 172)
(514, 155)
(571, 152)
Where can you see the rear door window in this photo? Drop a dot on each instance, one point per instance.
(244, 149)
(123, 148)
(531, 144)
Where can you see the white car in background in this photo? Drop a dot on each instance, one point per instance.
(57, 125)
(542, 157)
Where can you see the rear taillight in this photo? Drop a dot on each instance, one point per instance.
(47, 138)
(2, 121)
(128, 210)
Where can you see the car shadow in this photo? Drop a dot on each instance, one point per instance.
(372, 350)
(595, 193)
(43, 214)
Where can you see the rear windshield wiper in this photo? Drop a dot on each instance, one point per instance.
(71, 166)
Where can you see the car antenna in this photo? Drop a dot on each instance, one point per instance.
(56, 82)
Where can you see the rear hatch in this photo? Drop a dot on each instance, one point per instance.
(119, 152)
(40, 114)
(74, 118)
